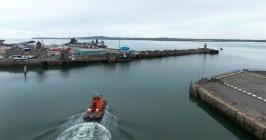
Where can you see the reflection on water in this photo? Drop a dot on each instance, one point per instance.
(241, 134)
(25, 79)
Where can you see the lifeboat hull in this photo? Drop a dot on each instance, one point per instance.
(92, 117)
(95, 116)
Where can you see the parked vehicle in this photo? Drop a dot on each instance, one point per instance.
(31, 56)
(19, 58)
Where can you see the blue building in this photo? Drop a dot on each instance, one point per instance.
(124, 49)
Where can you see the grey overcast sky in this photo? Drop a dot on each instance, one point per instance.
(134, 18)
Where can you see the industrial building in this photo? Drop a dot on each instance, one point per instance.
(79, 52)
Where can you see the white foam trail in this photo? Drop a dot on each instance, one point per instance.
(72, 121)
(76, 129)
(86, 131)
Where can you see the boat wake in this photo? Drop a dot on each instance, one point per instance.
(76, 129)
(86, 131)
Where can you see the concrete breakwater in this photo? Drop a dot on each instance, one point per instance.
(237, 103)
(165, 53)
(107, 58)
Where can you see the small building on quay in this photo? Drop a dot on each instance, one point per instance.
(2, 48)
(2, 42)
(13, 50)
(2, 51)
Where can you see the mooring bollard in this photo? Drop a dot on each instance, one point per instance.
(25, 71)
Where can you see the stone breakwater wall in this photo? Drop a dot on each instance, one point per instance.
(236, 116)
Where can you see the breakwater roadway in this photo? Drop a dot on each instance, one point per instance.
(239, 96)
(50, 62)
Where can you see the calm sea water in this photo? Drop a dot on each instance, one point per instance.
(147, 99)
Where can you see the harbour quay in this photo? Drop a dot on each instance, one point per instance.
(239, 96)
(33, 53)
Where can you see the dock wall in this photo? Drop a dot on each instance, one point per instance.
(239, 118)
(49, 62)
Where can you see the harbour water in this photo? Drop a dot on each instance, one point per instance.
(147, 99)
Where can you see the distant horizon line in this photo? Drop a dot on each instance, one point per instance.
(158, 39)
(147, 39)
